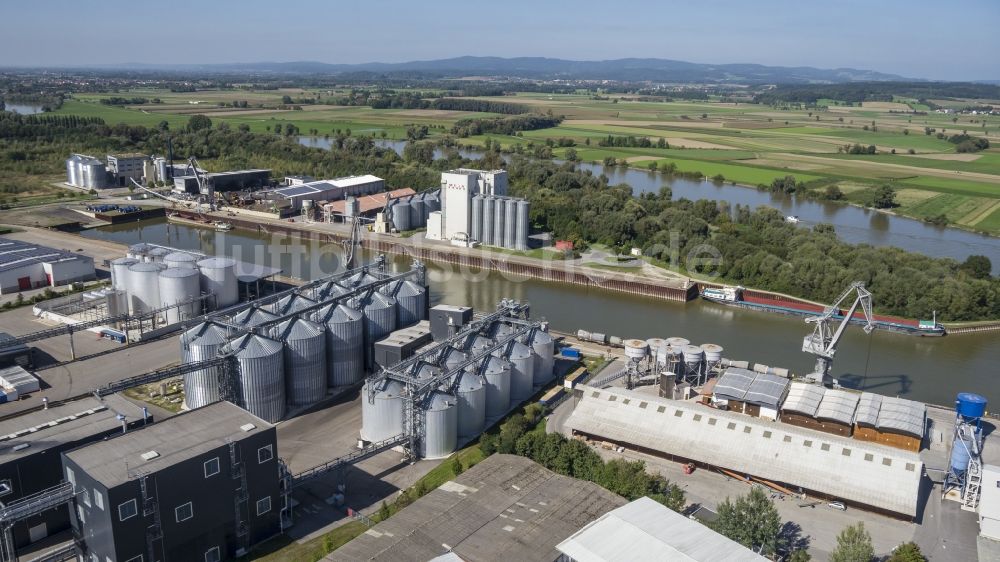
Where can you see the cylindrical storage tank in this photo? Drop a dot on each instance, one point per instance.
(202, 343)
(359, 279)
(411, 301)
(521, 226)
(969, 405)
(961, 452)
(522, 371)
(157, 253)
(677, 343)
(636, 350)
(119, 272)
(693, 357)
(253, 316)
(441, 426)
(499, 210)
(401, 215)
(305, 360)
(181, 259)
(489, 215)
(510, 223)
(161, 169)
(344, 344)
(71, 177)
(380, 321)
(143, 286)
(138, 251)
(477, 218)
(218, 277)
(653, 345)
(713, 353)
(496, 373)
(180, 285)
(544, 348)
(327, 291)
(382, 418)
(291, 303)
(665, 353)
(470, 393)
(428, 206)
(262, 375)
(417, 219)
(432, 201)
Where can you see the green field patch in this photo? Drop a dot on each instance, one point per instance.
(913, 140)
(962, 187)
(951, 205)
(991, 223)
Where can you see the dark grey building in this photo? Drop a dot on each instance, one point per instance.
(200, 486)
(31, 446)
(225, 181)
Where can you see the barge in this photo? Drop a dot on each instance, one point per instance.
(753, 300)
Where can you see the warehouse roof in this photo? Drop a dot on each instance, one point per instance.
(368, 203)
(838, 406)
(734, 383)
(69, 422)
(868, 407)
(803, 398)
(647, 530)
(504, 508)
(767, 390)
(174, 440)
(904, 416)
(858, 471)
(15, 254)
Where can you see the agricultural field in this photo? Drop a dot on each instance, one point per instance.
(745, 143)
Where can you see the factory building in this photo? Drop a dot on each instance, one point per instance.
(202, 485)
(475, 209)
(750, 393)
(823, 409)
(504, 508)
(891, 421)
(235, 180)
(33, 443)
(295, 195)
(647, 531)
(364, 205)
(126, 167)
(86, 172)
(416, 211)
(881, 478)
(25, 266)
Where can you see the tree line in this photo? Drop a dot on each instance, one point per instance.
(503, 125)
(855, 92)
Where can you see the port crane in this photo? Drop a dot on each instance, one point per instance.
(823, 341)
(205, 188)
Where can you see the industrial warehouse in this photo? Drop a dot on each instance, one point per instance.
(27, 266)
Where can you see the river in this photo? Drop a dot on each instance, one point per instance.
(928, 369)
(852, 224)
(22, 108)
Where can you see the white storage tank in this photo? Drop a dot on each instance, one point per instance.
(262, 375)
(218, 277)
(510, 224)
(143, 286)
(713, 353)
(499, 221)
(693, 356)
(636, 350)
(496, 373)
(521, 242)
(677, 343)
(138, 251)
(119, 272)
(522, 371)
(477, 218)
(380, 321)
(157, 253)
(344, 344)
(489, 210)
(305, 360)
(180, 285)
(202, 343)
(181, 259)
(441, 426)
(544, 348)
(382, 418)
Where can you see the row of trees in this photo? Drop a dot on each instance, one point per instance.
(875, 91)
(484, 106)
(503, 125)
(632, 142)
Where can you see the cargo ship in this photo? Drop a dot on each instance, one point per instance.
(754, 300)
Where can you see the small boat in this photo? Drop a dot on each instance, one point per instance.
(792, 219)
(223, 226)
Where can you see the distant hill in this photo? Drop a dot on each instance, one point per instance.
(632, 69)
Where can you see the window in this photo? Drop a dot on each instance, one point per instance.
(697, 417)
(213, 555)
(869, 457)
(661, 409)
(612, 398)
(746, 429)
(263, 505)
(98, 499)
(211, 467)
(825, 446)
(730, 425)
(643, 405)
(679, 413)
(86, 498)
(5, 487)
(767, 435)
(71, 476)
(626, 401)
(80, 515)
(595, 394)
(135, 559)
(184, 512)
(887, 461)
(787, 439)
(264, 454)
(846, 452)
(126, 510)
(712, 421)
(807, 443)
(910, 466)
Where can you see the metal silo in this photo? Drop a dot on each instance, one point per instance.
(161, 168)
(432, 201)
(291, 303)
(72, 176)
(119, 272)
(477, 218)
(544, 348)
(201, 343)
(470, 393)
(253, 316)
(522, 371)
(521, 226)
(181, 259)
(382, 418)
(218, 277)
(380, 320)
(510, 223)
(143, 286)
(411, 301)
(262, 375)
(496, 373)
(138, 251)
(440, 425)
(157, 253)
(489, 212)
(401, 215)
(344, 344)
(327, 291)
(693, 356)
(177, 285)
(359, 279)
(677, 343)
(417, 218)
(428, 205)
(305, 360)
(499, 210)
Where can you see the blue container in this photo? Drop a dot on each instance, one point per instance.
(970, 405)
(960, 454)
(571, 353)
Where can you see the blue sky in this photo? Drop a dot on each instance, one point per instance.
(955, 40)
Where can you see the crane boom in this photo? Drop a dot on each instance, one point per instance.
(824, 340)
(205, 190)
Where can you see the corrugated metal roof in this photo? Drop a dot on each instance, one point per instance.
(734, 383)
(868, 408)
(15, 254)
(905, 416)
(838, 405)
(767, 390)
(646, 530)
(803, 398)
(858, 471)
